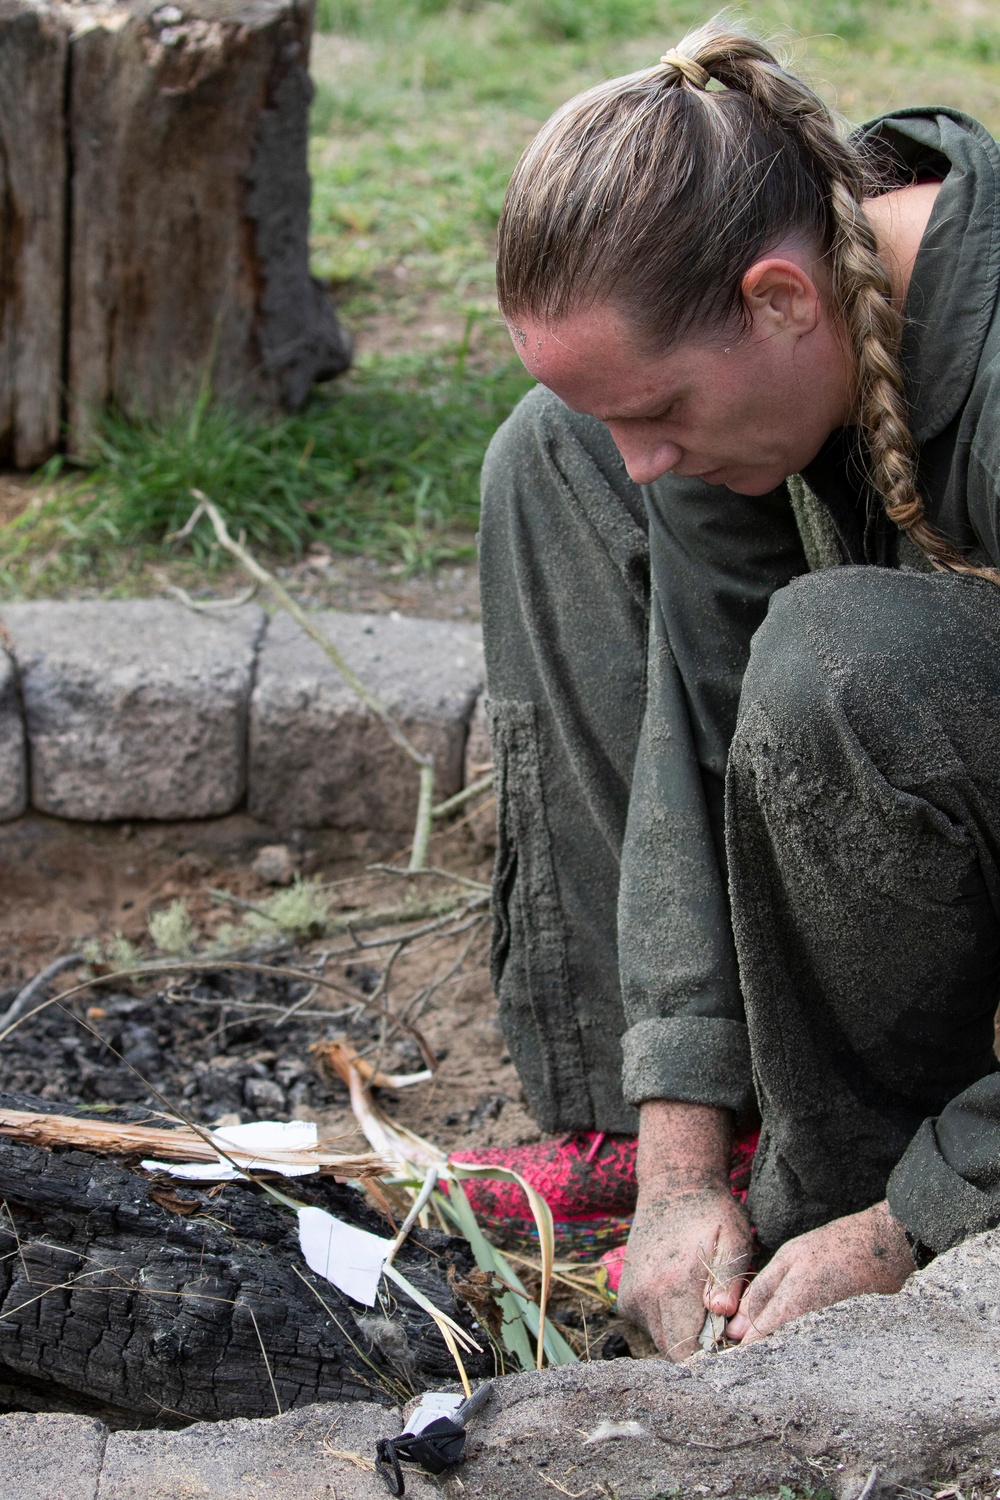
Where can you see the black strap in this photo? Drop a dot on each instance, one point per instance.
(438, 1447)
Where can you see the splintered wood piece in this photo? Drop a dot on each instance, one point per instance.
(342, 1058)
(112, 1139)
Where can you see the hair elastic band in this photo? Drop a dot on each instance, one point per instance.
(693, 71)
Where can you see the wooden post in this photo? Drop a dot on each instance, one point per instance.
(33, 63)
(171, 194)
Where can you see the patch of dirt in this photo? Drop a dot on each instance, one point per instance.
(63, 884)
(448, 592)
(319, 580)
(216, 1046)
(16, 493)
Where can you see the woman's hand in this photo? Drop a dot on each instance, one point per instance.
(687, 1254)
(690, 1240)
(865, 1252)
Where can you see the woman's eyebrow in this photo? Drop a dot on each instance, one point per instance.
(648, 409)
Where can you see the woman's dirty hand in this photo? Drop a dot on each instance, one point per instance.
(863, 1252)
(690, 1242)
(688, 1252)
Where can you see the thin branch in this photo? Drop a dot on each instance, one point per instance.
(424, 761)
(172, 997)
(210, 606)
(25, 996)
(435, 870)
(452, 804)
(423, 997)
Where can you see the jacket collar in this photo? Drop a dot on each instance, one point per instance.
(953, 290)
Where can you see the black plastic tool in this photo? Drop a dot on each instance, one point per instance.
(437, 1447)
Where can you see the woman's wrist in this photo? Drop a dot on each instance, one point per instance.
(682, 1147)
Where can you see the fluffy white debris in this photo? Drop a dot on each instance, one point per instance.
(606, 1431)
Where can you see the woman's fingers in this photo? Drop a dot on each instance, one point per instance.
(759, 1307)
(864, 1252)
(727, 1275)
(675, 1241)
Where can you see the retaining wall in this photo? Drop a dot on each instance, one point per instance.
(143, 708)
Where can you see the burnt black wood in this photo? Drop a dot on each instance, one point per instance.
(156, 1324)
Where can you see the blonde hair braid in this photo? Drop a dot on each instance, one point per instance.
(862, 290)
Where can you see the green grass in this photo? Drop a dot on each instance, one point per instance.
(421, 109)
(386, 464)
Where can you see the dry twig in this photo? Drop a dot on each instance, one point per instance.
(109, 1138)
(424, 762)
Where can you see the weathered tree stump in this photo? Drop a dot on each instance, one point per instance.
(143, 1300)
(154, 205)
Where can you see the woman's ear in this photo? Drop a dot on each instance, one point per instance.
(781, 297)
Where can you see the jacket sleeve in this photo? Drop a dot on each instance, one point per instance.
(716, 558)
(946, 1185)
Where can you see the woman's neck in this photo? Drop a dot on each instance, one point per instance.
(899, 220)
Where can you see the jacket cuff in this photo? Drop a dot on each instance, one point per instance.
(937, 1207)
(694, 1059)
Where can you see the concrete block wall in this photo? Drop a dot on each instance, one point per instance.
(144, 709)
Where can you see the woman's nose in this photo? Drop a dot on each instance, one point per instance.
(645, 460)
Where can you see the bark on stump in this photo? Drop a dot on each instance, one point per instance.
(154, 206)
(143, 1300)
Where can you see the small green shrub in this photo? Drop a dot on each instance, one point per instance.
(301, 911)
(172, 930)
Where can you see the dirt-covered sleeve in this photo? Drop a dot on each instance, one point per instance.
(947, 1184)
(716, 558)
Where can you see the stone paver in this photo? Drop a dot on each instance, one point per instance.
(134, 709)
(296, 1457)
(318, 758)
(13, 753)
(50, 1456)
(903, 1390)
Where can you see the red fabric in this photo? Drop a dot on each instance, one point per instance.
(585, 1177)
(580, 1176)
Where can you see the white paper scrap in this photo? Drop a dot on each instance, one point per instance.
(270, 1135)
(351, 1258)
(243, 1142)
(433, 1404)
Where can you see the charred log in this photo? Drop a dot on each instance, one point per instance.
(143, 1300)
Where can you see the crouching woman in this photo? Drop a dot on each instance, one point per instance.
(739, 559)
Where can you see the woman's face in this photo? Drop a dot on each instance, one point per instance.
(745, 412)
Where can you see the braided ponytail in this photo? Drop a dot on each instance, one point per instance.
(656, 192)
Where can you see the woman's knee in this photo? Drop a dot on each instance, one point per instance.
(877, 648)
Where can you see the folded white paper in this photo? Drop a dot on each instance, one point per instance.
(251, 1146)
(433, 1404)
(351, 1258)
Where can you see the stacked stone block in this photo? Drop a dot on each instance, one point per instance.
(145, 709)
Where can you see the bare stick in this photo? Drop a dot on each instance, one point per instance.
(452, 804)
(436, 870)
(107, 1138)
(267, 1362)
(425, 762)
(34, 986)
